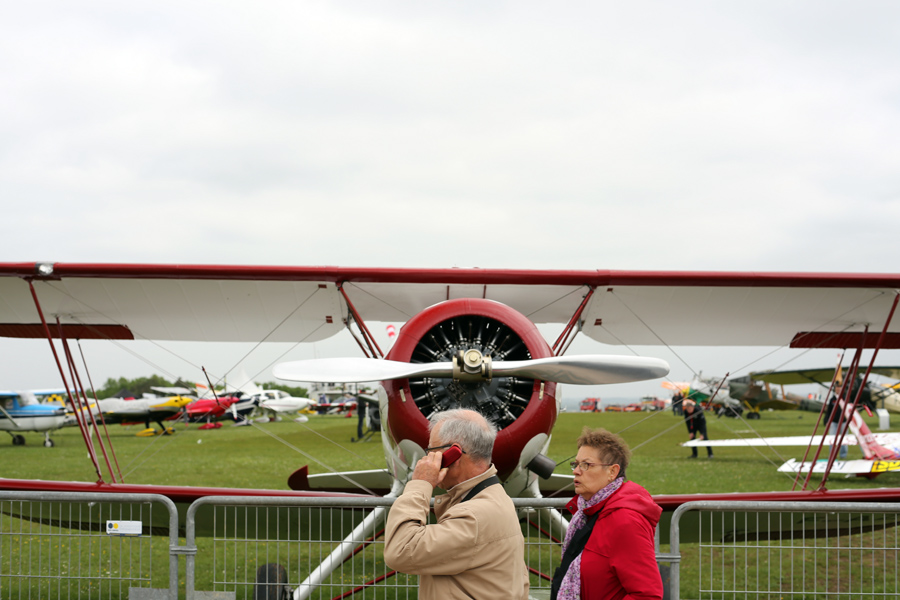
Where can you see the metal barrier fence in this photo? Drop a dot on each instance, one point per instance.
(80, 545)
(787, 550)
(296, 543)
(75, 545)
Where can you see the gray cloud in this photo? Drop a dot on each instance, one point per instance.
(646, 135)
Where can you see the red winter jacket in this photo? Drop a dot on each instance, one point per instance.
(619, 560)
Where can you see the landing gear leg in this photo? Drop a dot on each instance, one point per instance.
(48, 443)
(271, 583)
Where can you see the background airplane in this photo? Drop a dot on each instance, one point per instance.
(873, 395)
(128, 411)
(21, 412)
(278, 402)
(755, 394)
(711, 393)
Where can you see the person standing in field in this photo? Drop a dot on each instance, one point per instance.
(696, 426)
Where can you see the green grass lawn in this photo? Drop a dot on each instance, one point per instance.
(264, 455)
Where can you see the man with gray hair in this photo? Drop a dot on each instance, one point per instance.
(476, 548)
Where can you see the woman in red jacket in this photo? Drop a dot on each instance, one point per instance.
(608, 552)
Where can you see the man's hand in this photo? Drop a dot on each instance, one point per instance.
(429, 469)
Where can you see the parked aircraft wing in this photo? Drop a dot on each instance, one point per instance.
(814, 375)
(883, 439)
(778, 404)
(847, 467)
(793, 440)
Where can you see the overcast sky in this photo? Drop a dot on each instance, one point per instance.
(639, 135)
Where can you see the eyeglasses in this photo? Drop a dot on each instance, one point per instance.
(444, 447)
(584, 465)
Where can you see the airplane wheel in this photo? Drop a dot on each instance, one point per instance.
(271, 583)
(48, 443)
(753, 415)
(18, 440)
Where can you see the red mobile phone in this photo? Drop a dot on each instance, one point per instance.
(450, 455)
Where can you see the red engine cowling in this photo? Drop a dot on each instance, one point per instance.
(518, 407)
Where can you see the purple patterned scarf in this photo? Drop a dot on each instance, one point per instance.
(570, 588)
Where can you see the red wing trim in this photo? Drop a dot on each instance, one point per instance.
(597, 277)
(670, 502)
(837, 339)
(175, 493)
(70, 331)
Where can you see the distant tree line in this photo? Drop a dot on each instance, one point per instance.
(143, 385)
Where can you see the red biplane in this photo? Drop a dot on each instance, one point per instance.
(470, 339)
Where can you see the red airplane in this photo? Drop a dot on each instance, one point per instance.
(470, 339)
(209, 411)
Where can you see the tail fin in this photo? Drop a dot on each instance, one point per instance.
(871, 449)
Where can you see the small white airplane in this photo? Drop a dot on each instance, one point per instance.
(273, 402)
(20, 411)
(278, 402)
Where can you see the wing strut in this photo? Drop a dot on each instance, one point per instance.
(62, 374)
(852, 413)
(99, 412)
(367, 335)
(82, 398)
(563, 342)
(843, 394)
(848, 416)
(834, 379)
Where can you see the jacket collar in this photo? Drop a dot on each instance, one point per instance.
(572, 505)
(460, 489)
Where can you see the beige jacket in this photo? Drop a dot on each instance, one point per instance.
(475, 550)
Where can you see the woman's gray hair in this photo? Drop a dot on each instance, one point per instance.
(469, 429)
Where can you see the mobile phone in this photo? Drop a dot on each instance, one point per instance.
(450, 455)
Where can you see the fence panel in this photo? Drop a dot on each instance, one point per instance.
(787, 550)
(299, 543)
(83, 545)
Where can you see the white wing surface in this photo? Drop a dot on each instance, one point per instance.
(296, 304)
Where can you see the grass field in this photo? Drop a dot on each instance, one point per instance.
(262, 456)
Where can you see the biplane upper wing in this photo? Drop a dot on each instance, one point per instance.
(245, 303)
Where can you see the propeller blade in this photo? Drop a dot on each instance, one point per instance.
(355, 370)
(580, 370)
(586, 369)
